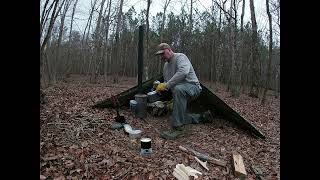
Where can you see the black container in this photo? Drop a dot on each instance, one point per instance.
(145, 143)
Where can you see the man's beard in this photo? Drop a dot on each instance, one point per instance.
(164, 59)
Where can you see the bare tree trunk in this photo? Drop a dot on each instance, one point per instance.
(55, 63)
(124, 54)
(44, 43)
(84, 43)
(222, 51)
(44, 15)
(254, 90)
(242, 46)
(54, 15)
(147, 60)
(111, 58)
(46, 68)
(230, 48)
(219, 38)
(276, 9)
(270, 55)
(189, 42)
(133, 46)
(69, 63)
(162, 28)
(234, 71)
(107, 25)
(117, 46)
(213, 63)
(190, 17)
(103, 42)
(96, 61)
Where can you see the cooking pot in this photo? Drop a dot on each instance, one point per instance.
(153, 96)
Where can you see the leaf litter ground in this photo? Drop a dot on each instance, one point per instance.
(76, 141)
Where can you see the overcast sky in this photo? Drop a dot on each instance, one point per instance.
(202, 5)
(83, 9)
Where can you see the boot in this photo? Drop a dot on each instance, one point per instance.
(172, 134)
(206, 117)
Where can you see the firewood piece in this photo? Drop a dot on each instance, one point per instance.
(203, 164)
(203, 157)
(182, 172)
(179, 176)
(239, 169)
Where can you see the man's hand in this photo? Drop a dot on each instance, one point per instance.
(161, 87)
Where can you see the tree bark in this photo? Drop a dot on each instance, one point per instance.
(44, 43)
(189, 32)
(55, 63)
(96, 61)
(117, 47)
(147, 68)
(225, 47)
(233, 78)
(213, 61)
(270, 55)
(69, 63)
(254, 90)
(190, 17)
(105, 56)
(52, 20)
(242, 46)
(84, 43)
(161, 33)
(213, 64)
(219, 52)
(44, 15)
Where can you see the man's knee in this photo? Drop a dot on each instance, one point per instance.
(178, 89)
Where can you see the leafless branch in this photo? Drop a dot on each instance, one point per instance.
(226, 12)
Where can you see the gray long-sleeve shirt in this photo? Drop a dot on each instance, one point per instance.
(178, 70)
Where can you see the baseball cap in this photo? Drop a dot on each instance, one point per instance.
(161, 47)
